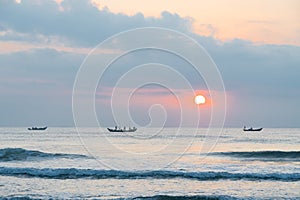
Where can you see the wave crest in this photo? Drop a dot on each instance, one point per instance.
(263, 155)
(19, 154)
(74, 173)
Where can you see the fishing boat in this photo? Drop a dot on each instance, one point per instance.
(37, 128)
(252, 129)
(116, 129)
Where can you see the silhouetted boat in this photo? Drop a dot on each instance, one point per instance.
(37, 128)
(116, 129)
(252, 129)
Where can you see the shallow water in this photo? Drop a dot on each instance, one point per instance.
(150, 163)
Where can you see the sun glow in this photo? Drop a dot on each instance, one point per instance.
(199, 99)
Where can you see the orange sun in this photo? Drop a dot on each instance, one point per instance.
(199, 99)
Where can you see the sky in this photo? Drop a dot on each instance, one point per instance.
(254, 44)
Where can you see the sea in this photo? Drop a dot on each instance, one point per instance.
(151, 163)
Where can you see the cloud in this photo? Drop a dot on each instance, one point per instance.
(207, 29)
(261, 80)
(42, 63)
(77, 23)
(247, 65)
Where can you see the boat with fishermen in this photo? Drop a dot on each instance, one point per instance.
(118, 129)
(252, 129)
(37, 128)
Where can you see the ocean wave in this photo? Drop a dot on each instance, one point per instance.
(19, 154)
(154, 197)
(185, 197)
(264, 155)
(206, 197)
(75, 173)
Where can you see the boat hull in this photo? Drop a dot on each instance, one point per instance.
(37, 128)
(121, 130)
(253, 129)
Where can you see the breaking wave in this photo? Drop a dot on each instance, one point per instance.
(74, 173)
(263, 155)
(19, 154)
